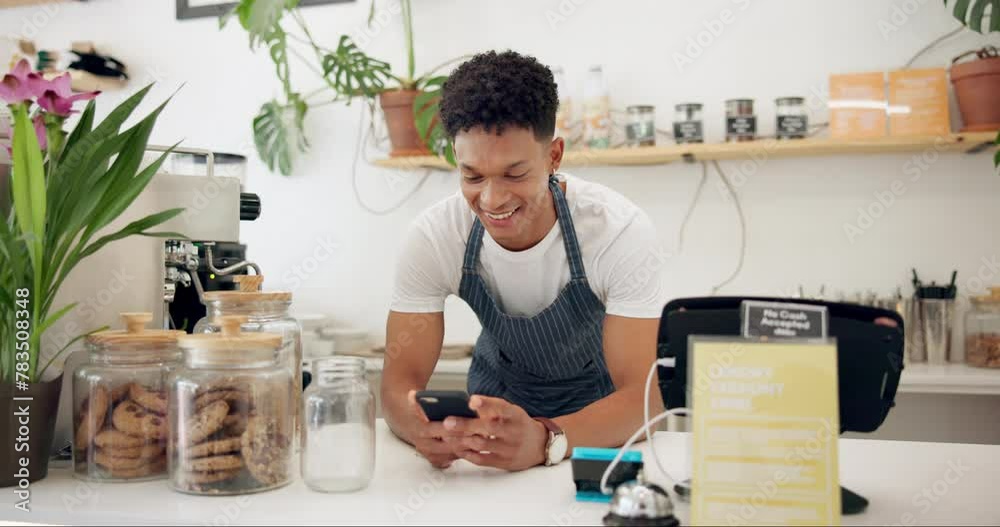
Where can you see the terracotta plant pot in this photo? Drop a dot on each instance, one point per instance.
(977, 88)
(397, 106)
(40, 428)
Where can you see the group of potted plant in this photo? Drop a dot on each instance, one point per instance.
(64, 191)
(409, 102)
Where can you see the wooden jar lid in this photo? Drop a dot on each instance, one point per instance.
(231, 345)
(249, 291)
(135, 333)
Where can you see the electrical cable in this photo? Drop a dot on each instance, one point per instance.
(743, 229)
(933, 44)
(645, 417)
(628, 444)
(362, 138)
(691, 207)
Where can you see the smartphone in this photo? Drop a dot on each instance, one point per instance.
(439, 404)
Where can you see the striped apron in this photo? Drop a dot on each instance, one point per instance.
(550, 364)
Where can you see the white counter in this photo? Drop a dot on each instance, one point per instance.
(895, 476)
(916, 378)
(949, 378)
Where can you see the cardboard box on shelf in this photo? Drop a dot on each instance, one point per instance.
(919, 102)
(858, 106)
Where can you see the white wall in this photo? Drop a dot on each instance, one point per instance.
(796, 209)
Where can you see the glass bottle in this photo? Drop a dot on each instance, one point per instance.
(230, 425)
(596, 110)
(338, 451)
(564, 115)
(120, 404)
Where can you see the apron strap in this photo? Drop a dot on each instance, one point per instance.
(570, 242)
(568, 231)
(472, 247)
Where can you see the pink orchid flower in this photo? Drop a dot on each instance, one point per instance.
(39, 121)
(15, 87)
(56, 96)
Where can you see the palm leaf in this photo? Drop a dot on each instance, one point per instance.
(136, 227)
(52, 319)
(66, 347)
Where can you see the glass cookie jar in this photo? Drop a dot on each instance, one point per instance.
(264, 311)
(120, 405)
(230, 415)
(982, 331)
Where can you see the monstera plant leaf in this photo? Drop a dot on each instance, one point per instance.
(351, 72)
(996, 157)
(259, 17)
(972, 12)
(278, 133)
(426, 108)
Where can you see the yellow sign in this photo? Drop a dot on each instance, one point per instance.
(766, 424)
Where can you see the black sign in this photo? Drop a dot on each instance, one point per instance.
(792, 126)
(688, 132)
(779, 320)
(741, 126)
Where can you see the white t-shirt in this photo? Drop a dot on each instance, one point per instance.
(622, 257)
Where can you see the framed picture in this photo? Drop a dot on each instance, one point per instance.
(205, 8)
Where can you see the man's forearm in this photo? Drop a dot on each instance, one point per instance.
(610, 421)
(396, 408)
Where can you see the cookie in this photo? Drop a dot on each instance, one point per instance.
(135, 420)
(204, 423)
(207, 477)
(149, 399)
(214, 448)
(232, 397)
(224, 384)
(158, 466)
(214, 463)
(92, 415)
(265, 450)
(147, 451)
(111, 438)
(120, 392)
(235, 424)
(106, 460)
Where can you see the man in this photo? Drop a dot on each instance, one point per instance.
(564, 275)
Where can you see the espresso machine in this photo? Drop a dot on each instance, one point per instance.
(163, 276)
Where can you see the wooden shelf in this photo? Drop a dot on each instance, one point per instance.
(762, 149)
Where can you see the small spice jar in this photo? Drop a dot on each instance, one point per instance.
(338, 452)
(741, 123)
(120, 404)
(791, 121)
(982, 331)
(230, 419)
(688, 123)
(641, 127)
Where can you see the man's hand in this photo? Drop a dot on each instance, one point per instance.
(428, 437)
(503, 436)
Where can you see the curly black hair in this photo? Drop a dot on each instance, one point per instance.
(496, 90)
